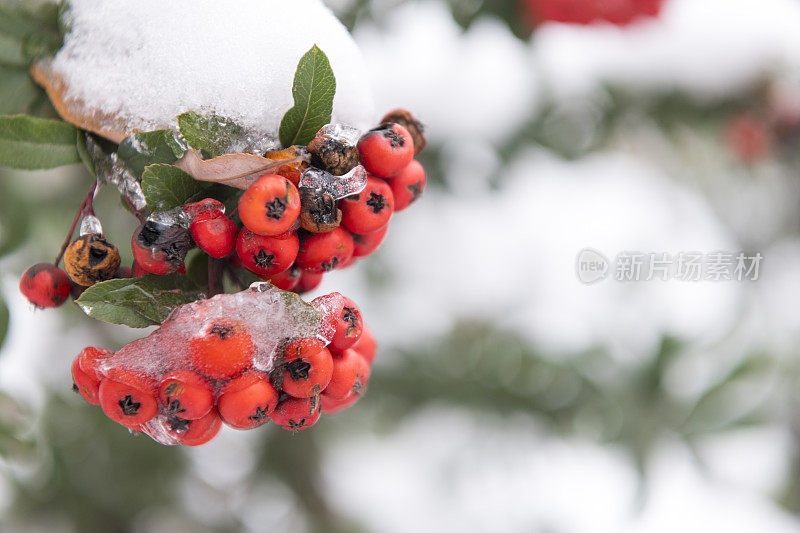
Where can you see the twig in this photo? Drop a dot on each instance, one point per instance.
(86, 207)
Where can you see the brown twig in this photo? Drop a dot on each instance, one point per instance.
(86, 207)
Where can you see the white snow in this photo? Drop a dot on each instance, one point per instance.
(150, 60)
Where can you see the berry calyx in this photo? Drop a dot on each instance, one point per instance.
(129, 399)
(370, 209)
(407, 185)
(185, 394)
(295, 414)
(222, 349)
(307, 375)
(386, 150)
(266, 256)
(45, 285)
(214, 233)
(247, 401)
(409, 122)
(270, 206)
(322, 252)
(343, 316)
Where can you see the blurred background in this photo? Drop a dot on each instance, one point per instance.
(507, 395)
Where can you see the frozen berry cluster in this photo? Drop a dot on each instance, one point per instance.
(293, 229)
(214, 368)
(325, 208)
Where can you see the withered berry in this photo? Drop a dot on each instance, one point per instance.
(333, 155)
(160, 249)
(318, 211)
(91, 259)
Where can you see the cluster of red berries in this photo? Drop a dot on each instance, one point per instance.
(187, 402)
(619, 12)
(290, 234)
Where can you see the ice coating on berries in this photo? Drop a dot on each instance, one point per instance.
(344, 132)
(90, 225)
(270, 316)
(339, 186)
(204, 56)
(109, 170)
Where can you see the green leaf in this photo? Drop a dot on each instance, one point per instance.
(27, 32)
(139, 150)
(33, 143)
(137, 302)
(313, 91)
(212, 135)
(17, 90)
(83, 153)
(167, 187)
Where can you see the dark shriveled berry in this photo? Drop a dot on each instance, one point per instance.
(318, 211)
(91, 259)
(333, 155)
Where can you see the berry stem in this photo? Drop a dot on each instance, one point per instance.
(86, 207)
(233, 277)
(136, 213)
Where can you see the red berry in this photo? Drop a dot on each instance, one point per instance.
(370, 209)
(366, 345)
(331, 406)
(270, 205)
(45, 285)
(266, 256)
(322, 252)
(138, 271)
(295, 414)
(160, 249)
(247, 401)
(288, 279)
(619, 12)
(387, 150)
(129, 398)
(347, 372)
(214, 233)
(363, 245)
(302, 347)
(203, 206)
(90, 360)
(407, 185)
(345, 317)
(195, 432)
(307, 375)
(87, 385)
(185, 394)
(308, 282)
(223, 349)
